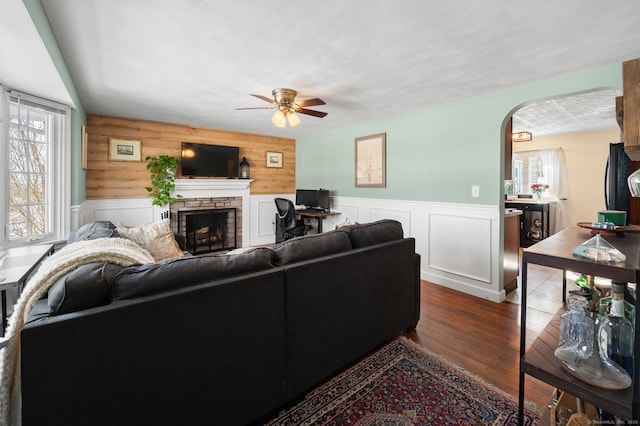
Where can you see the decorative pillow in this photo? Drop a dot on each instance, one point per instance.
(157, 238)
(346, 222)
(83, 288)
(93, 230)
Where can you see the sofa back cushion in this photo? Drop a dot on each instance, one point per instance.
(310, 247)
(368, 234)
(83, 288)
(150, 278)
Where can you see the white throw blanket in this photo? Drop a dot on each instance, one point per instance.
(115, 250)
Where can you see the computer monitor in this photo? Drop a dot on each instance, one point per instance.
(306, 197)
(323, 199)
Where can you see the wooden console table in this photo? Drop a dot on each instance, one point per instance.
(539, 360)
(18, 264)
(319, 216)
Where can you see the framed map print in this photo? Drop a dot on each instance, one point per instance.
(371, 161)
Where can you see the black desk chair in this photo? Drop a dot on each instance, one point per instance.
(287, 224)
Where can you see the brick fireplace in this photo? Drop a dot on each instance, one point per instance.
(213, 214)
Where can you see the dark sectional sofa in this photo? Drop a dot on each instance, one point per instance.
(215, 339)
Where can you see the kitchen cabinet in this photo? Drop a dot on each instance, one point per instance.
(511, 249)
(534, 221)
(538, 360)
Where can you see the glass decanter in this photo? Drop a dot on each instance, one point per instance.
(629, 308)
(615, 332)
(575, 325)
(579, 353)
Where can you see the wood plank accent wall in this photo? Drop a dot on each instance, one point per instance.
(122, 179)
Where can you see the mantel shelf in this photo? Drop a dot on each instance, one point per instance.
(212, 184)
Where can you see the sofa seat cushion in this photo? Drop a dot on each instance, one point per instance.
(169, 274)
(157, 238)
(372, 233)
(83, 288)
(310, 247)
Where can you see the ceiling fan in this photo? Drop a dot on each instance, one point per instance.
(287, 107)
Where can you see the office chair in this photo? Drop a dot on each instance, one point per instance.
(287, 224)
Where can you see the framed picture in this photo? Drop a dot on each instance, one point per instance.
(274, 159)
(124, 149)
(371, 161)
(84, 148)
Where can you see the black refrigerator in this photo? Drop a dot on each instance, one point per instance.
(616, 190)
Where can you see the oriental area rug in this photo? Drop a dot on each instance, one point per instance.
(402, 384)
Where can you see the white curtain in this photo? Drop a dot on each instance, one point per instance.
(4, 151)
(554, 169)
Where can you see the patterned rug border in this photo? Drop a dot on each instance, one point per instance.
(530, 406)
(362, 373)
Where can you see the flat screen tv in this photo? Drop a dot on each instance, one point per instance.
(203, 160)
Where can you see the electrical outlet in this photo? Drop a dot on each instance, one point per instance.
(475, 191)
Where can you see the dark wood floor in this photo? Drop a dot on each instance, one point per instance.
(480, 336)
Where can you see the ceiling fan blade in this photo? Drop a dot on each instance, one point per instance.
(264, 98)
(258, 108)
(311, 112)
(311, 102)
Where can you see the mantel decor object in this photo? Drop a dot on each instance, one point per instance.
(244, 168)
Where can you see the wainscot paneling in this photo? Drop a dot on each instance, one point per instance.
(459, 244)
(263, 209)
(124, 179)
(131, 212)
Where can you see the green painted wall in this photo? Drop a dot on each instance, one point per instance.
(78, 115)
(437, 154)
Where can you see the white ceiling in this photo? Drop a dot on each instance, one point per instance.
(584, 112)
(195, 61)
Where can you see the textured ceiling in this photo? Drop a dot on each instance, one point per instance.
(195, 61)
(586, 112)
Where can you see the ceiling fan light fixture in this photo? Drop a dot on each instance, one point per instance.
(279, 119)
(521, 137)
(294, 120)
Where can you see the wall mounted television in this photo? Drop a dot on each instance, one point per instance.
(203, 160)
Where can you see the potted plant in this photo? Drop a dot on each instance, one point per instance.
(163, 175)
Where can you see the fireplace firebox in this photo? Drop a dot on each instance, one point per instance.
(208, 230)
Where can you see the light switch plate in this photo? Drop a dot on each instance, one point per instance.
(475, 191)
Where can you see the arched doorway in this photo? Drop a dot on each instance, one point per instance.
(582, 125)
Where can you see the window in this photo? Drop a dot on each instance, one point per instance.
(36, 144)
(527, 169)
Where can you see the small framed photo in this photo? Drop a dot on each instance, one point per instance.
(274, 159)
(124, 149)
(371, 161)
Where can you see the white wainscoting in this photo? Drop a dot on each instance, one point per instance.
(459, 244)
(128, 211)
(263, 210)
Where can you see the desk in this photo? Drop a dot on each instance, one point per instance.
(319, 216)
(16, 267)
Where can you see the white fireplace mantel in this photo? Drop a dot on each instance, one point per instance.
(214, 188)
(198, 188)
